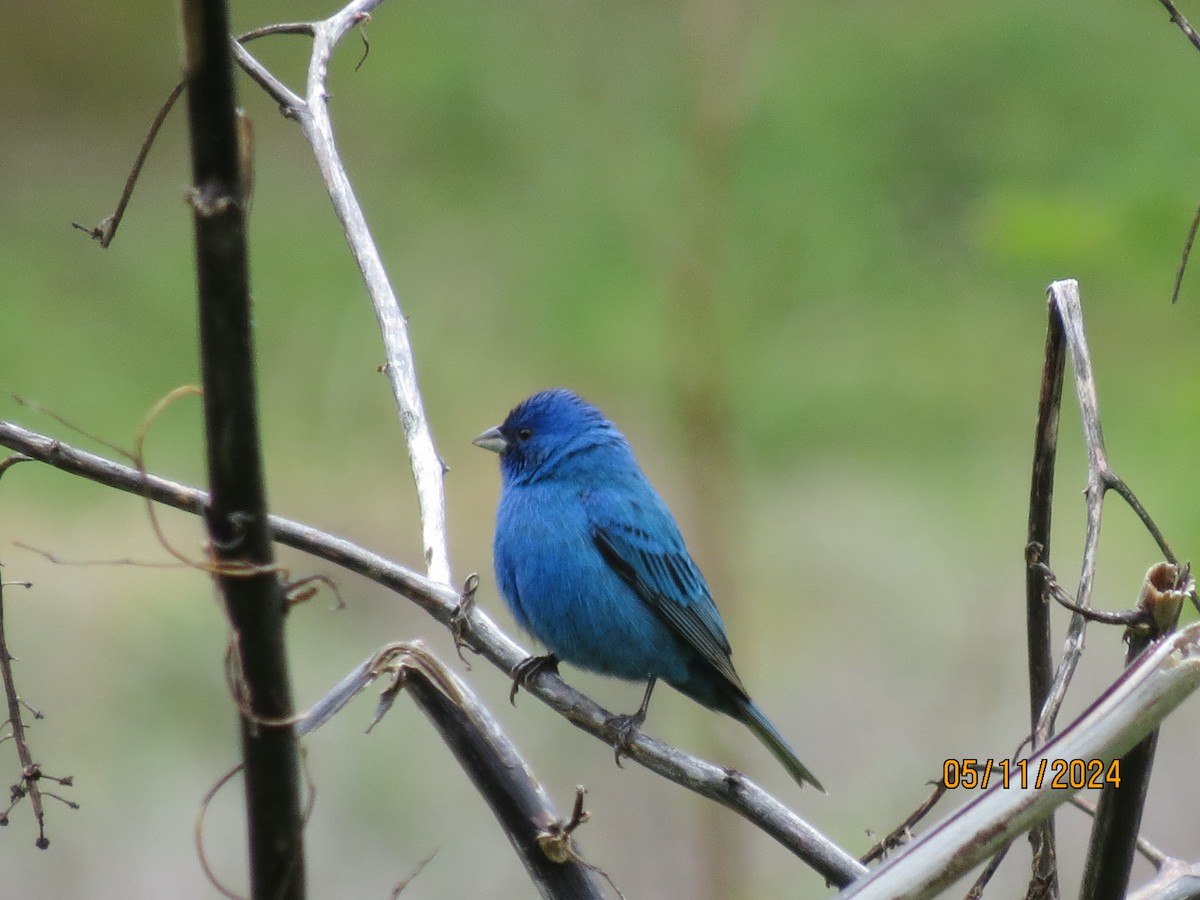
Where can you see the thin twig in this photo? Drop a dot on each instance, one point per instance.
(30, 772)
(1065, 302)
(1187, 251)
(1125, 617)
(1184, 25)
(987, 874)
(1153, 855)
(428, 468)
(107, 229)
(290, 103)
(903, 831)
(1113, 483)
(1190, 33)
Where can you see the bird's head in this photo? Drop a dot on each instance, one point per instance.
(550, 431)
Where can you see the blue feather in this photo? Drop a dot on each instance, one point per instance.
(591, 562)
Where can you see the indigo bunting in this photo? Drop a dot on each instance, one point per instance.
(591, 562)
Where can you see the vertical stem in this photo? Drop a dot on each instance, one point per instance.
(1041, 496)
(237, 515)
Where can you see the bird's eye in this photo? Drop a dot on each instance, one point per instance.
(524, 434)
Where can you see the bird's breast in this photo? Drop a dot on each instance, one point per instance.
(560, 588)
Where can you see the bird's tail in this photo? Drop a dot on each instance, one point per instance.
(773, 740)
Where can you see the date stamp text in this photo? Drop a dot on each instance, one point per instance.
(1058, 774)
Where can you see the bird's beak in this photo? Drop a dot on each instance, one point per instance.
(492, 440)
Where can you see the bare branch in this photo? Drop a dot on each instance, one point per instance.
(1065, 306)
(1141, 697)
(727, 787)
(31, 773)
(312, 112)
(903, 832)
(1183, 24)
(1037, 548)
(1065, 336)
(236, 516)
(428, 469)
(1185, 255)
(518, 801)
(290, 103)
(107, 229)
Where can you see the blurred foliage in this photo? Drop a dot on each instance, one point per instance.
(905, 181)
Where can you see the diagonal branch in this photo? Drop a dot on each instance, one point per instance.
(727, 787)
(1182, 23)
(519, 802)
(1130, 708)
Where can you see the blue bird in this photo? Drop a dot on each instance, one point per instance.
(591, 563)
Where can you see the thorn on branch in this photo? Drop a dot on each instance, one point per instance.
(304, 589)
(361, 21)
(555, 841)
(25, 703)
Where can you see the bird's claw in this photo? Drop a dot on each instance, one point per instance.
(625, 729)
(528, 669)
(460, 619)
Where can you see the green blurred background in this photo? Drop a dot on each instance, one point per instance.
(797, 250)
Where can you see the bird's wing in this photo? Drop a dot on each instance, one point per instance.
(650, 557)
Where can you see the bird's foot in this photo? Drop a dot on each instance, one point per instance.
(460, 619)
(528, 669)
(624, 730)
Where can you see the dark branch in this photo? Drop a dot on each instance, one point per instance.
(1183, 24)
(107, 229)
(1041, 504)
(1119, 811)
(240, 538)
(515, 797)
